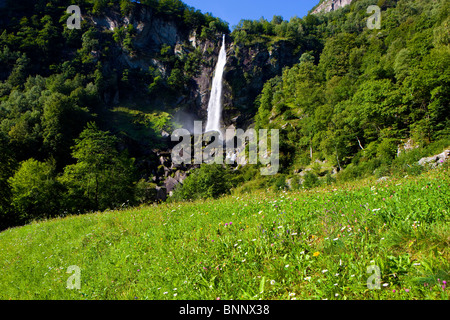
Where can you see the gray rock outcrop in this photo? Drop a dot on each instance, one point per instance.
(436, 160)
(331, 5)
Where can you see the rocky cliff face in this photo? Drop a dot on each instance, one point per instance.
(152, 32)
(247, 69)
(331, 5)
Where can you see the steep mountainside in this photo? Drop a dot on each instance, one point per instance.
(152, 32)
(331, 5)
(138, 70)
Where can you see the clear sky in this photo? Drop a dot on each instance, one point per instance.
(233, 11)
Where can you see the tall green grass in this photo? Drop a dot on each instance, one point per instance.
(313, 244)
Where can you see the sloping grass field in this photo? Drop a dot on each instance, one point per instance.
(317, 244)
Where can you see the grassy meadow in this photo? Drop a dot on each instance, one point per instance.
(315, 244)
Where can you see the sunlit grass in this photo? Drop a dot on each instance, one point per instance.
(313, 244)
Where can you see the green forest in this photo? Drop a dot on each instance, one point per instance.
(348, 100)
(55, 159)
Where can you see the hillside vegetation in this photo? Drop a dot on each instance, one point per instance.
(58, 85)
(355, 100)
(344, 97)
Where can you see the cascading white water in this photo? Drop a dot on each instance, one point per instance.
(215, 101)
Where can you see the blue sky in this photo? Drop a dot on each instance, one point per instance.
(233, 11)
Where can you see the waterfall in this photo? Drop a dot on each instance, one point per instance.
(215, 101)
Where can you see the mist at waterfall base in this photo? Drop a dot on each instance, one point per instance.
(185, 120)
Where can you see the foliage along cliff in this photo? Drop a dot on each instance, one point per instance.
(370, 91)
(137, 70)
(129, 69)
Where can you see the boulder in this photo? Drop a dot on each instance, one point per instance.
(304, 172)
(436, 160)
(180, 176)
(164, 161)
(161, 194)
(406, 147)
(170, 184)
(166, 172)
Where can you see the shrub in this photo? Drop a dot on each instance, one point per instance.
(34, 190)
(145, 192)
(382, 171)
(295, 182)
(310, 181)
(387, 149)
(102, 177)
(330, 179)
(209, 181)
(414, 169)
(280, 183)
(249, 172)
(351, 172)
